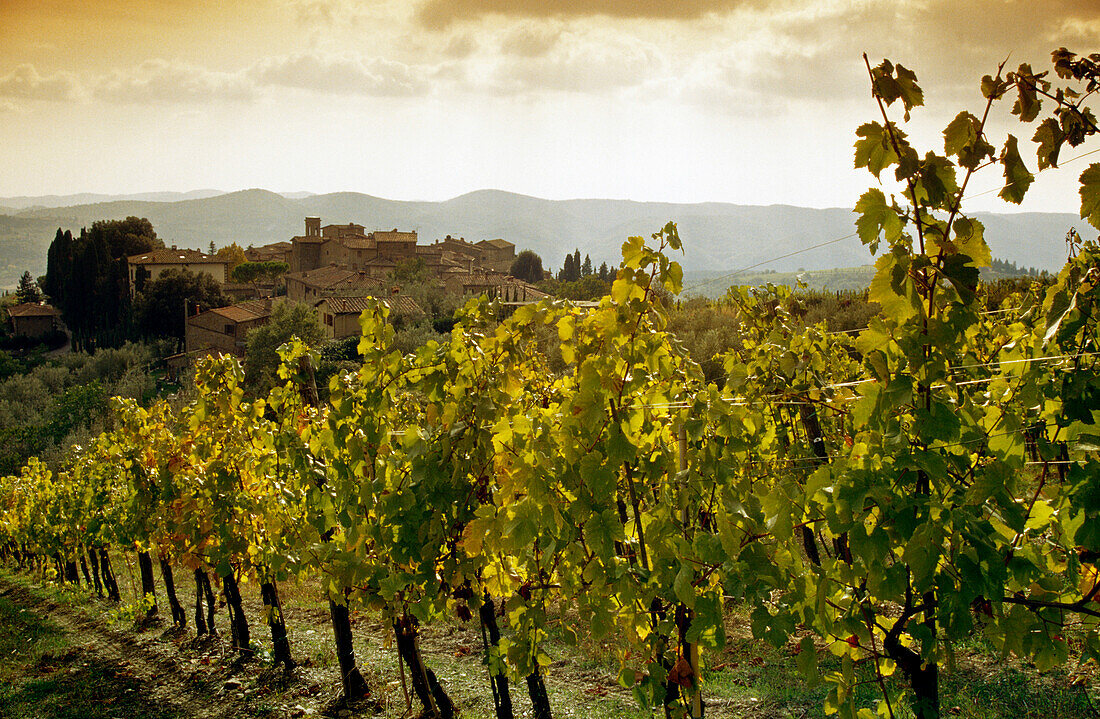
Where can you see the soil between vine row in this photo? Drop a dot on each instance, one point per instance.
(65, 655)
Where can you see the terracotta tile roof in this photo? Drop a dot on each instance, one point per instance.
(483, 278)
(334, 278)
(245, 311)
(498, 243)
(273, 250)
(403, 305)
(33, 309)
(346, 305)
(398, 304)
(528, 290)
(172, 257)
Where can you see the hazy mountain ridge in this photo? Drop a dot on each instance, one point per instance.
(29, 202)
(716, 235)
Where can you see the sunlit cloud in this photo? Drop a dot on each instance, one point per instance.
(158, 81)
(342, 75)
(439, 14)
(460, 46)
(27, 83)
(530, 40)
(573, 62)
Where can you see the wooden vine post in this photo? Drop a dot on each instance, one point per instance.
(692, 650)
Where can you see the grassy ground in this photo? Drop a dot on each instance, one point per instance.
(44, 673)
(44, 676)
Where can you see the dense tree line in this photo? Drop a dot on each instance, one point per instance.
(87, 278)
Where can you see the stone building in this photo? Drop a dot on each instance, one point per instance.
(311, 285)
(497, 254)
(348, 246)
(274, 252)
(32, 319)
(148, 266)
(225, 329)
(340, 315)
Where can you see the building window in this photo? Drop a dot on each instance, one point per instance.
(229, 329)
(328, 320)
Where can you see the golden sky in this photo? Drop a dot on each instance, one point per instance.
(746, 101)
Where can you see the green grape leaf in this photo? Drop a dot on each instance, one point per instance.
(894, 82)
(1017, 177)
(1027, 103)
(634, 251)
(970, 241)
(807, 661)
(876, 218)
(1062, 304)
(1049, 137)
(908, 89)
(936, 180)
(1090, 195)
(673, 279)
(922, 554)
(682, 586)
(1087, 443)
(962, 139)
(874, 150)
(708, 626)
(601, 531)
(962, 274)
(893, 289)
(1088, 535)
(993, 88)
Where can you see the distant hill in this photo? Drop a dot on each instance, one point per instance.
(88, 198)
(717, 236)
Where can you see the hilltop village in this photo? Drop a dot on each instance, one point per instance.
(336, 269)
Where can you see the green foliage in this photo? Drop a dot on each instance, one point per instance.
(288, 319)
(432, 296)
(28, 289)
(161, 307)
(43, 411)
(707, 331)
(234, 255)
(411, 271)
(527, 267)
(571, 268)
(253, 273)
(590, 287)
(87, 278)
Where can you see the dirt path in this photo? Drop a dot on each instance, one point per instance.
(184, 676)
(202, 678)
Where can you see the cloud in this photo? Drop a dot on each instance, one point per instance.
(162, 81)
(460, 46)
(530, 41)
(25, 82)
(590, 62)
(342, 75)
(811, 53)
(439, 14)
(316, 11)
